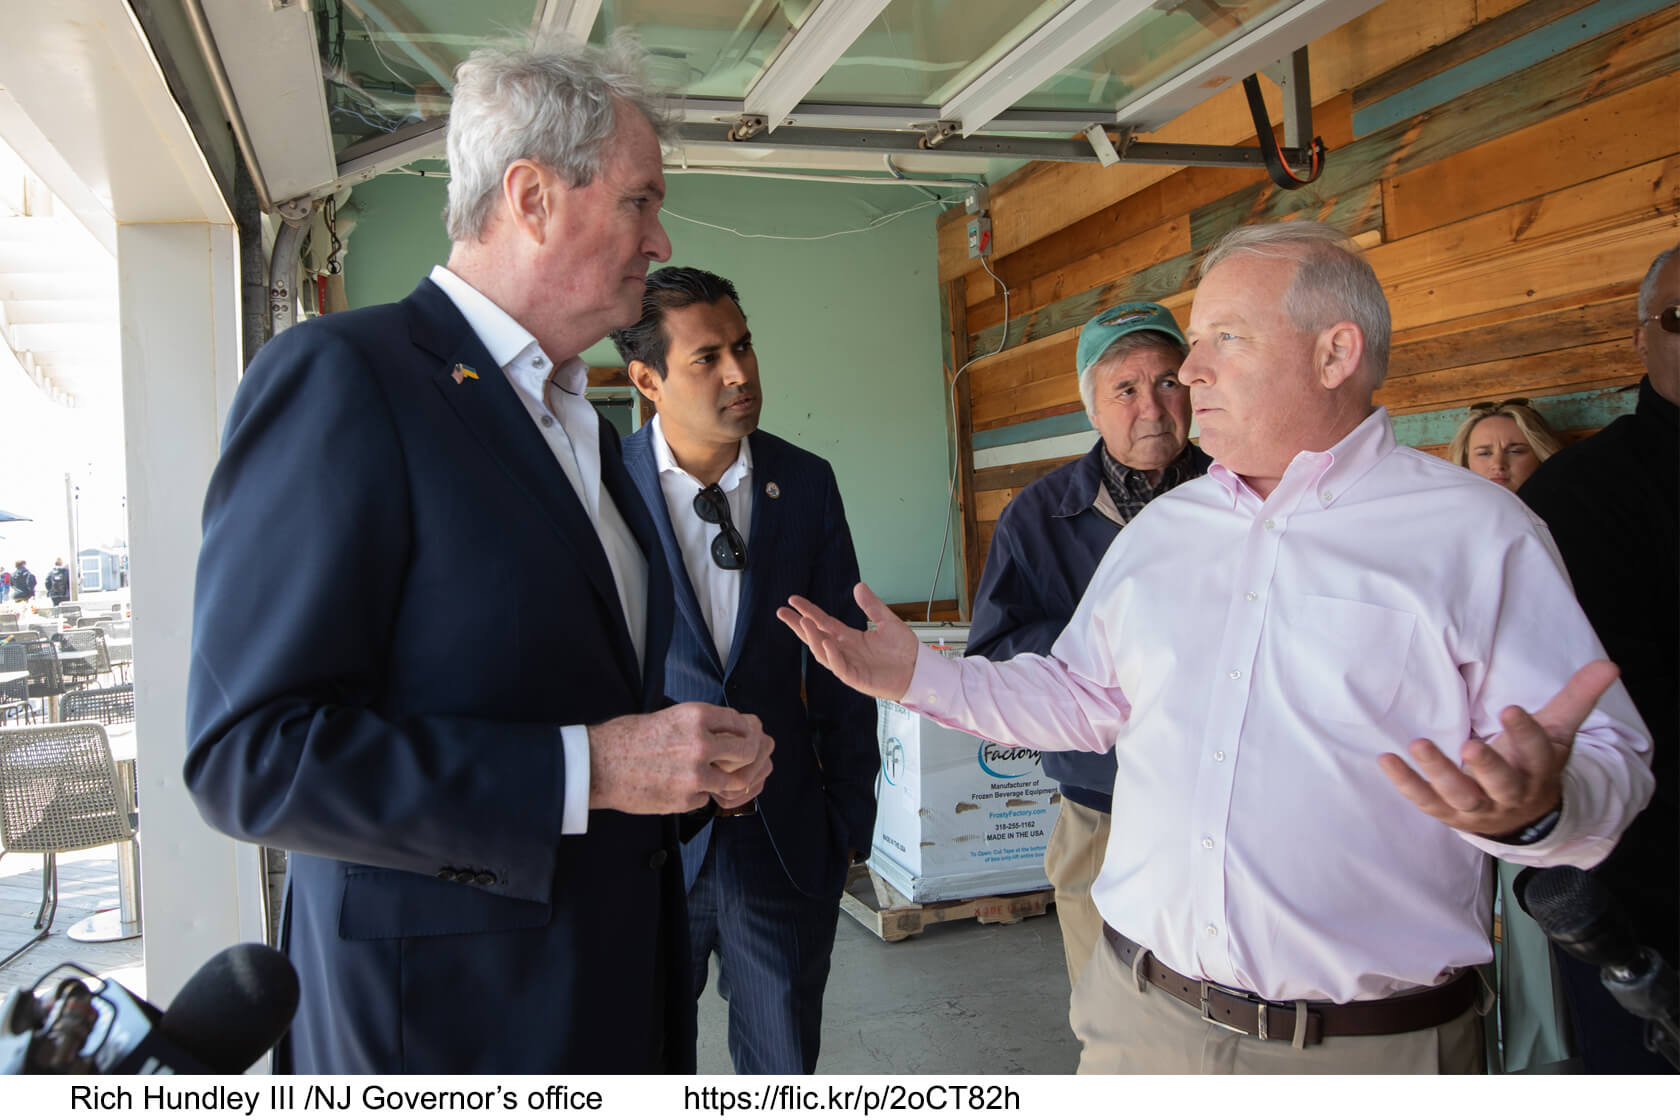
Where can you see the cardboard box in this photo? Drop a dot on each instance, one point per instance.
(957, 816)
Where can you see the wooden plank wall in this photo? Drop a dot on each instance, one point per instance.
(1511, 168)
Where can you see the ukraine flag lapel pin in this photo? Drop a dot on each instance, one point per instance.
(461, 372)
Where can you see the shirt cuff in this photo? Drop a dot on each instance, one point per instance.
(936, 681)
(574, 814)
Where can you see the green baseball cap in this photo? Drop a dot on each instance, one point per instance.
(1099, 333)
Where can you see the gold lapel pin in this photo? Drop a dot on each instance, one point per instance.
(772, 489)
(460, 373)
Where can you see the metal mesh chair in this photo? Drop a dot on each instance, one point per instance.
(119, 643)
(14, 695)
(59, 792)
(102, 705)
(46, 676)
(86, 640)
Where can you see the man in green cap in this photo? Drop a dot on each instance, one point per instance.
(1049, 541)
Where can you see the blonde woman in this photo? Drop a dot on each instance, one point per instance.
(1503, 441)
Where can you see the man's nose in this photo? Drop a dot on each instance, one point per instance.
(657, 247)
(1149, 404)
(1193, 369)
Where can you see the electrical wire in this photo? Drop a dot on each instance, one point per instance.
(876, 224)
(956, 459)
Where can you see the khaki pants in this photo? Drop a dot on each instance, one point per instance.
(1072, 860)
(1125, 1030)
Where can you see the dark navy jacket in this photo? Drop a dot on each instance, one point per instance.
(1045, 549)
(402, 742)
(819, 800)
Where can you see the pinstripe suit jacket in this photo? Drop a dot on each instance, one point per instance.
(820, 798)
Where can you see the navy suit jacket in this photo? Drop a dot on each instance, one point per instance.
(820, 797)
(347, 703)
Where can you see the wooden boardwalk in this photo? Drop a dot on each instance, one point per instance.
(87, 883)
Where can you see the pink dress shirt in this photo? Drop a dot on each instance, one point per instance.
(1249, 659)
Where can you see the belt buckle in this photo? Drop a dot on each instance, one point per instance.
(1208, 986)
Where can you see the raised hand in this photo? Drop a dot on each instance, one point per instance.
(877, 662)
(1514, 778)
(673, 760)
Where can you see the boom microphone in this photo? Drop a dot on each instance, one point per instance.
(1576, 913)
(227, 1015)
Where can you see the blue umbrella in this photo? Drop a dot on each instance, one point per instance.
(6, 516)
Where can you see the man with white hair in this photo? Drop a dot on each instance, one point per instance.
(484, 871)
(1254, 648)
(1612, 503)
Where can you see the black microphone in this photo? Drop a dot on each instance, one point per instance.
(227, 1015)
(1575, 912)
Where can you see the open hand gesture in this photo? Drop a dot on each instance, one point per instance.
(1511, 780)
(877, 662)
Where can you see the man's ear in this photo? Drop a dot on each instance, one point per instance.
(529, 198)
(646, 380)
(1337, 353)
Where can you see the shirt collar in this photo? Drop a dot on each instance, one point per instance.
(511, 346)
(1325, 475)
(667, 462)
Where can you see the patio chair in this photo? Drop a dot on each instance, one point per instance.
(14, 695)
(85, 640)
(46, 675)
(102, 705)
(59, 792)
(119, 643)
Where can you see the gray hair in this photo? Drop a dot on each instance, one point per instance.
(1121, 349)
(1648, 286)
(1333, 281)
(555, 103)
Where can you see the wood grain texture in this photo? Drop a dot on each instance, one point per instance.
(1623, 130)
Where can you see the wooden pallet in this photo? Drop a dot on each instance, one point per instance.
(887, 914)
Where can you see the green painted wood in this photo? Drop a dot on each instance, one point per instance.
(1155, 282)
(1567, 412)
(1606, 64)
(1520, 54)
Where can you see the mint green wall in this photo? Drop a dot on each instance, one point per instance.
(847, 332)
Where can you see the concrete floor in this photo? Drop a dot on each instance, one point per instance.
(957, 998)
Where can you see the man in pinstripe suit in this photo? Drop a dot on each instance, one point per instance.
(746, 519)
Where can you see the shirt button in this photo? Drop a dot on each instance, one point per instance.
(1211, 931)
(1207, 841)
(547, 421)
(1236, 674)
(539, 361)
(1326, 495)
(1251, 596)
(1269, 523)
(1219, 756)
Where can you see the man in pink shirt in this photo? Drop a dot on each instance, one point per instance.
(1254, 649)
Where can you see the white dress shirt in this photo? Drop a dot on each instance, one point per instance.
(718, 591)
(570, 426)
(1249, 659)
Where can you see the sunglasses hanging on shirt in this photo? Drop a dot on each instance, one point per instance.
(729, 548)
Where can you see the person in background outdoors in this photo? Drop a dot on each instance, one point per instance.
(58, 582)
(1612, 502)
(1503, 441)
(23, 583)
(1049, 541)
(5, 586)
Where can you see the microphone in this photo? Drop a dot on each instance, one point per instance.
(227, 1015)
(1576, 913)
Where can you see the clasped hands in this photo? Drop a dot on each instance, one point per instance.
(1503, 784)
(674, 760)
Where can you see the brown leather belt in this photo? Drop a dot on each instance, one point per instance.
(746, 810)
(1246, 1013)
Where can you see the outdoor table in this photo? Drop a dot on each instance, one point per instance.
(122, 922)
